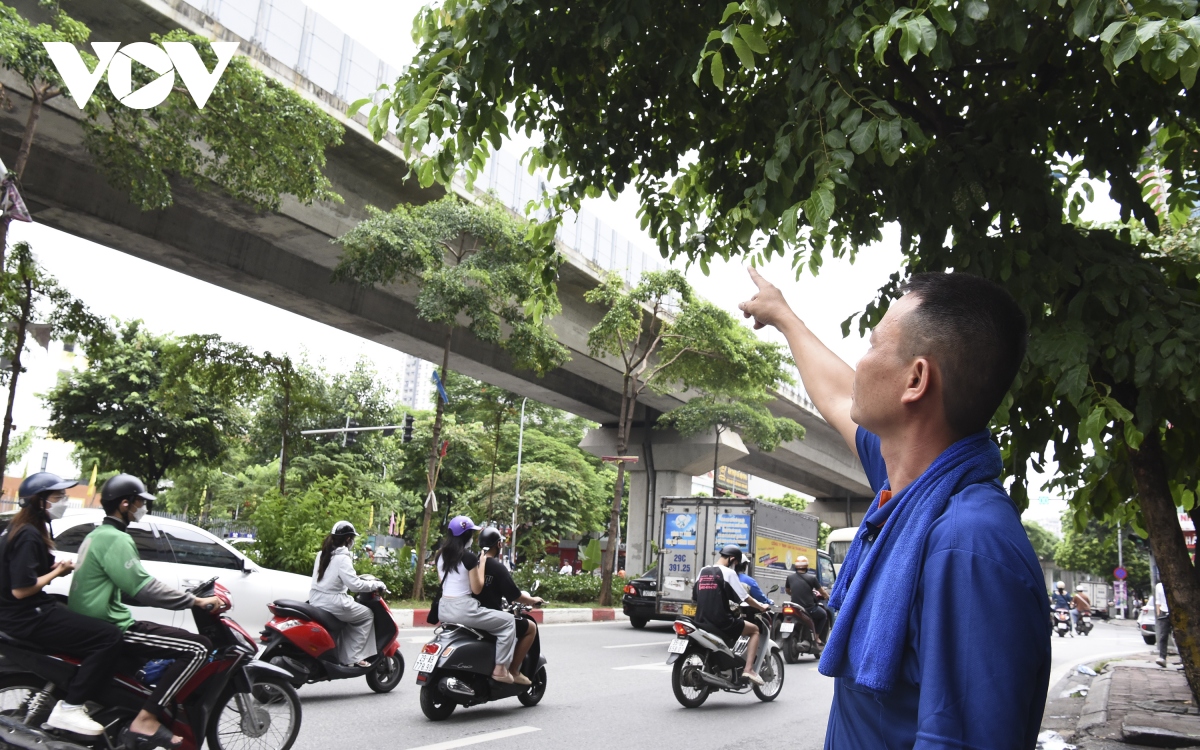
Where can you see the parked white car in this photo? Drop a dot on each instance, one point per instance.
(182, 555)
(1146, 624)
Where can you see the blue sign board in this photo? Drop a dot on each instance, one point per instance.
(679, 532)
(732, 528)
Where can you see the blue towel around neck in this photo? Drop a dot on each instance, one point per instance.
(885, 578)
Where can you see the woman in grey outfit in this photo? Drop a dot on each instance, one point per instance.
(333, 576)
(462, 576)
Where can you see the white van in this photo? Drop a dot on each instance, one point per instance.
(838, 544)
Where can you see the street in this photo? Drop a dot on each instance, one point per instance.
(609, 683)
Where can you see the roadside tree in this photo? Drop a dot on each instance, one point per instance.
(660, 335)
(792, 127)
(34, 306)
(150, 404)
(471, 263)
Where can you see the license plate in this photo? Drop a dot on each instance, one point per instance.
(678, 646)
(426, 662)
(787, 627)
(689, 610)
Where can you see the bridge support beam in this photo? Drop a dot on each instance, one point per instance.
(840, 512)
(666, 464)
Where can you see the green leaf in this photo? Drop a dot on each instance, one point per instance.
(357, 105)
(730, 10)
(718, 70)
(910, 41)
(819, 207)
(753, 38)
(864, 136)
(1127, 48)
(742, 50)
(1081, 19)
(944, 18)
(1133, 436)
(1110, 32)
(977, 10)
(1093, 426)
(890, 137)
(926, 34)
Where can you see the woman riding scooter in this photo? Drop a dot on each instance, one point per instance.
(462, 579)
(333, 576)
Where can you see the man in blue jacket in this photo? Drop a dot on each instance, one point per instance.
(920, 658)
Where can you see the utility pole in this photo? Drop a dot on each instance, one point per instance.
(1121, 564)
(512, 551)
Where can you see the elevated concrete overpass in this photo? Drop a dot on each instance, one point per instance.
(285, 258)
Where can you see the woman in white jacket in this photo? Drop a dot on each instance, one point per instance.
(333, 576)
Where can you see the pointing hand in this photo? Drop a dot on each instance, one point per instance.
(767, 306)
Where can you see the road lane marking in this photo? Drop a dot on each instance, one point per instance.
(637, 645)
(478, 738)
(647, 667)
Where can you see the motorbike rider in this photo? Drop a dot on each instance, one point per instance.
(26, 567)
(1061, 600)
(1081, 605)
(462, 579)
(498, 584)
(743, 571)
(108, 569)
(802, 585)
(715, 587)
(334, 575)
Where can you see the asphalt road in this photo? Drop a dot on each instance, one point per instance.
(608, 685)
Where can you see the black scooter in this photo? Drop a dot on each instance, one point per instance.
(455, 669)
(793, 634)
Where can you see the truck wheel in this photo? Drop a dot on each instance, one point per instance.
(638, 622)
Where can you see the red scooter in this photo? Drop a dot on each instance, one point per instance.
(302, 639)
(234, 701)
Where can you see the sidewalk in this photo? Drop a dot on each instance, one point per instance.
(1131, 703)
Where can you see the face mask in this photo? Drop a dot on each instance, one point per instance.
(139, 514)
(56, 510)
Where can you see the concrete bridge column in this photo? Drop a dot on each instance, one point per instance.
(666, 464)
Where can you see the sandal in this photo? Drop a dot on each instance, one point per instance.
(507, 678)
(520, 679)
(132, 740)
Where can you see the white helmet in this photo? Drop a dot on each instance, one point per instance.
(1081, 587)
(1060, 585)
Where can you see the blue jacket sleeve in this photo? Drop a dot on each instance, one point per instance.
(983, 669)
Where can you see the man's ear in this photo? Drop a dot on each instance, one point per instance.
(918, 380)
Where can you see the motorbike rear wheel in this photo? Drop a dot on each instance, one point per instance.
(387, 674)
(266, 718)
(791, 650)
(17, 692)
(533, 694)
(434, 705)
(772, 675)
(684, 678)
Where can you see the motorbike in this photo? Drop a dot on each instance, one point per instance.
(302, 639)
(455, 668)
(1062, 621)
(1083, 623)
(704, 662)
(794, 635)
(233, 701)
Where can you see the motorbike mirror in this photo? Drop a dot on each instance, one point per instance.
(536, 585)
(773, 589)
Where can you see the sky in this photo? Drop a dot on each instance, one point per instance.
(172, 302)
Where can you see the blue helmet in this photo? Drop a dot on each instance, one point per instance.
(43, 481)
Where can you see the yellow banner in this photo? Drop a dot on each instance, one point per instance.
(774, 553)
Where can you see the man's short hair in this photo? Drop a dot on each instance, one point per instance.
(977, 334)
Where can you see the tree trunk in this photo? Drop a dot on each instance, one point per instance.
(22, 326)
(434, 450)
(612, 551)
(716, 462)
(1170, 551)
(35, 111)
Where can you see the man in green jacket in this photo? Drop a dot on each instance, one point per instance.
(109, 567)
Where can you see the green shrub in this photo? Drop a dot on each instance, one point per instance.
(398, 576)
(583, 589)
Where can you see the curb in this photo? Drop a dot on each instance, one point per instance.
(1095, 706)
(415, 618)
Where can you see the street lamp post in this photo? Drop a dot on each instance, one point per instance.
(512, 552)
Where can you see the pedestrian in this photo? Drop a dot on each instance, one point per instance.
(1162, 623)
(566, 569)
(920, 657)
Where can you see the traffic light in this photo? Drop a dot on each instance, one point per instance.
(408, 425)
(351, 437)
